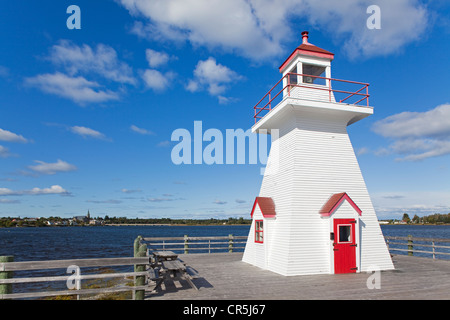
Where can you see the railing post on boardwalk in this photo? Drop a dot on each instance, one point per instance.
(230, 243)
(410, 245)
(140, 250)
(186, 245)
(6, 288)
(137, 244)
(434, 250)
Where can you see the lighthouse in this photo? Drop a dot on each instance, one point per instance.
(313, 214)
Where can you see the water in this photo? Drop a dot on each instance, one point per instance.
(94, 242)
(27, 244)
(442, 232)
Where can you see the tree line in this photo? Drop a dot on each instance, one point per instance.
(436, 218)
(211, 221)
(9, 222)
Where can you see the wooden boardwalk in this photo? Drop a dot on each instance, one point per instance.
(224, 276)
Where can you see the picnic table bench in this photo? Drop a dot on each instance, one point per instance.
(166, 265)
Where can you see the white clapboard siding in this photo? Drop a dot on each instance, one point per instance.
(312, 92)
(310, 161)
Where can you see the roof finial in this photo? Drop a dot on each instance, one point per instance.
(305, 37)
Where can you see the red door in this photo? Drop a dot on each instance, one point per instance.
(344, 246)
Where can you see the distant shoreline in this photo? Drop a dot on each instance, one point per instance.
(171, 225)
(131, 225)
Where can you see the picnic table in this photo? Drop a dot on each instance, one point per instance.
(166, 265)
(160, 256)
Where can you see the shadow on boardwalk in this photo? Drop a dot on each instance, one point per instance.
(224, 276)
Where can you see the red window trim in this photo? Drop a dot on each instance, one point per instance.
(259, 234)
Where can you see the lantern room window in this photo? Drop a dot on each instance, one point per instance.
(313, 70)
(259, 234)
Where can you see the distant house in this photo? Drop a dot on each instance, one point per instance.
(81, 219)
(84, 219)
(94, 222)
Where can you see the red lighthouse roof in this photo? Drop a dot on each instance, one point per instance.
(307, 49)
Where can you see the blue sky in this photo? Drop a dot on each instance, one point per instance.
(86, 116)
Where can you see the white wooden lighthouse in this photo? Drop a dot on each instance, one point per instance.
(313, 214)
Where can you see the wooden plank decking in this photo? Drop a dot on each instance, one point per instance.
(224, 276)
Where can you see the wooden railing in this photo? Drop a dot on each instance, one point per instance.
(142, 273)
(74, 278)
(425, 246)
(188, 244)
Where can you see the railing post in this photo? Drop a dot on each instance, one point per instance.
(270, 100)
(6, 288)
(434, 251)
(140, 280)
(137, 244)
(289, 84)
(367, 95)
(410, 246)
(230, 243)
(186, 245)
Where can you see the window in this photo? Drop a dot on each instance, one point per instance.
(259, 237)
(309, 69)
(345, 234)
(293, 77)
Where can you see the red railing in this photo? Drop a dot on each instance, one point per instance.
(288, 86)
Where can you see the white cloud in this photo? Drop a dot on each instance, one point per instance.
(227, 24)
(8, 201)
(88, 132)
(157, 81)
(101, 60)
(220, 202)
(55, 189)
(111, 201)
(167, 198)
(141, 130)
(163, 144)
(4, 152)
(417, 135)
(213, 76)
(156, 59)
(159, 199)
(9, 136)
(391, 204)
(4, 72)
(52, 168)
(362, 151)
(259, 29)
(78, 89)
(79, 64)
(402, 22)
(131, 190)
